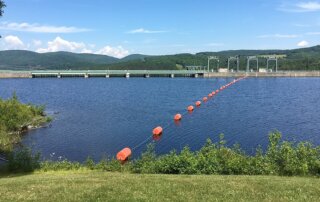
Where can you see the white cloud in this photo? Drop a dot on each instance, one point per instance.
(145, 31)
(118, 52)
(289, 36)
(313, 33)
(59, 44)
(85, 50)
(37, 43)
(26, 27)
(303, 43)
(309, 6)
(301, 7)
(13, 42)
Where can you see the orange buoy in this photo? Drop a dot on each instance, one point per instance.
(205, 99)
(157, 131)
(217, 91)
(124, 154)
(198, 103)
(210, 95)
(177, 117)
(190, 108)
(213, 93)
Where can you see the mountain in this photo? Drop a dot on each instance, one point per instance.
(134, 57)
(296, 59)
(20, 59)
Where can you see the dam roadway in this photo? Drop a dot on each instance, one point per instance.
(149, 73)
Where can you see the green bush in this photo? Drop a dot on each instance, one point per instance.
(90, 163)
(280, 158)
(23, 160)
(111, 165)
(60, 165)
(147, 162)
(16, 117)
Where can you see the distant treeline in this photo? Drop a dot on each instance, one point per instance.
(297, 59)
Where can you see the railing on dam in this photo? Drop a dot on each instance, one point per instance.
(107, 73)
(149, 73)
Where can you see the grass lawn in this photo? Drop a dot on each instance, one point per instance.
(104, 186)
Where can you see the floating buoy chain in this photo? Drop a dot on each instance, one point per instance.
(125, 153)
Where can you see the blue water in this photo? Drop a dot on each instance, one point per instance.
(98, 117)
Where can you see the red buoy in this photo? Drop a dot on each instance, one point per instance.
(210, 95)
(157, 131)
(198, 103)
(205, 99)
(190, 108)
(177, 117)
(124, 154)
(217, 91)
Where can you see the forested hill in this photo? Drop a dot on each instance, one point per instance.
(20, 59)
(297, 59)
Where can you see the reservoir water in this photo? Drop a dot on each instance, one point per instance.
(98, 117)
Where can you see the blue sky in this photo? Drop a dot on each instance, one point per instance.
(121, 27)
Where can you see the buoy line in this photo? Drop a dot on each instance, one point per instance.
(125, 153)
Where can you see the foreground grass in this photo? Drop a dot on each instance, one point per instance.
(104, 186)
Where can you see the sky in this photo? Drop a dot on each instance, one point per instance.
(157, 27)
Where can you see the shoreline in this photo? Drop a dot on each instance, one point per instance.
(147, 74)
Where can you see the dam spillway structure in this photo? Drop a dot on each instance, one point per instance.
(115, 73)
(214, 58)
(252, 58)
(272, 58)
(234, 58)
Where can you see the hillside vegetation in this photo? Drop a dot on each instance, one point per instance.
(16, 117)
(297, 59)
(19, 59)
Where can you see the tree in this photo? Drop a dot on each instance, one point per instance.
(2, 5)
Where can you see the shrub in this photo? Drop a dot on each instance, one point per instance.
(90, 163)
(280, 158)
(60, 165)
(111, 165)
(23, 160)
(16, 117)
(147, 162)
